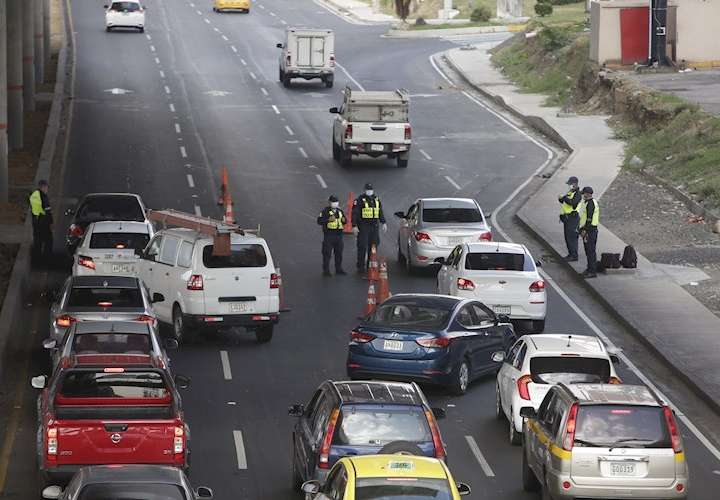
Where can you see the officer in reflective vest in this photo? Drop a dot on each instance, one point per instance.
(42, 223)
(589, 221)
(332, 219)
(569, 216)
(367, 217)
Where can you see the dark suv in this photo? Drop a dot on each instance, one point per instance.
(362, 418)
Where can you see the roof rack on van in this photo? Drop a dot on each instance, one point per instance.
(220, 231)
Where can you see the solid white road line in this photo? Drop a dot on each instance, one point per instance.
(225, 361)
(275, 108)
(197, 211)
(321, 181)
(233, 48)
(302, 152)
(357, 84)
(688, 423)
(289, 130)
(240, 450)
(167, 89)
(162, 74)
(172, 107)
(265, 92)
(177, 128)
(183, 153)
(252, 75)
(225, 38)
(484, 465)
(191, 181)
(427, 156)
(455, 184)
(243, 61)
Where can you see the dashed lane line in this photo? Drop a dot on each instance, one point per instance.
(172, 107)
(206, 20)
(162, 74)
(167, 89)
(190, 180)
(289, 130)
(233, 48)
(427, 156)
(275, 108)
(265, 92)
(225, 38)
(198, 212)
(240, 450)
(225, 361)
(321, 181)
(484, 465)
(152, 48)
(157, 60)
(454, 184)
(302, 152)
(253, 75)
(177, 128)
(183, 153)
(243, 61)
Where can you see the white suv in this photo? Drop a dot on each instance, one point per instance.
(203, 290)
(537, 362)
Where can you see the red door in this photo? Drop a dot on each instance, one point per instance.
(634, 33)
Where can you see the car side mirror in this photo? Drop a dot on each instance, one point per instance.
(528, 412)
(172, 344)
(498, 356)
(487, 323)
(538, 263)
(203, 492)
(38, 382)
(52, 492)
(333, 110)
(310, 487)
(463, 489)
(615, 359)
(400, 214)
(439, 412)
(157, 297)
(49, 343)
(296, 410)
(182, 381)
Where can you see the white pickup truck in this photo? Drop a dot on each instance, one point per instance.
(372, 123)
(307, 54)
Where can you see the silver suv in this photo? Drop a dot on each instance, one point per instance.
(603, 441)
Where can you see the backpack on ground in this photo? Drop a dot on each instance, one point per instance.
(629, 258)
(610, 260)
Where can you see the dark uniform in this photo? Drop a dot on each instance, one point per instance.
(42, 221)
(332, 221)
(570, 218)
(589, 222)
(367, 216)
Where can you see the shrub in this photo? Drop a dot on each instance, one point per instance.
(480, 14)
(553, 39)
(563, 2)
(543, 9)
(420, 21)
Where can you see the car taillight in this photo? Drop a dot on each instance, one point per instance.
(275, 281)
(145, 318)
(537, 286)
(64, 320)
(360, 337)
(408, 131)
(332, 61)
(52, 442)
(179, 441)
(615, 381)
(486, 236)
(324, 461)
(434, 342)
(523, 389)
(569, 439)
(672, 429)
(86, 262)
(465, 284)
(420, 236)
(75, 230)
(435, 432)
(195, 282)
(348, 131)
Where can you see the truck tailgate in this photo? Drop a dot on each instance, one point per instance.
(378, 133)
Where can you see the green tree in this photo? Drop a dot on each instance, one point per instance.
(402, 8)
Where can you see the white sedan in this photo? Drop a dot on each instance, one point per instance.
(111, 248)
(501, 275)
(125, 14)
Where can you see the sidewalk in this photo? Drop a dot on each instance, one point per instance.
(357, 11)
(672, 323)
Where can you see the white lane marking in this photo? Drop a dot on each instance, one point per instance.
(198, 13)
(289, 130)
(275, 108)
(233, 48)
(225, 361)
(177, 128)
(191, 181)
(685, 420)
(152, 47)
(167, 89)
(172, 107)
(427, 156)
(157, 60)
(253, 75)
(455, 184)
(283, 21)
(183, 153)
(216, 30)
(272, 14)
(292, 142)
(225, 38)
(206, 20)
(240, 450)
(261, 6)
(484, 465)
(192, 4)
(197, 211)
(357, 84)
(243, 61)
(312, 166)
(162, 74)
(321, 181)
(302, 152)
(148, 37)
(265, 92)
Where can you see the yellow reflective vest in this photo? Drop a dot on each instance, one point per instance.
(370, 212)
(36, 206)
(595, 221)
(337, 222)
(566, 208)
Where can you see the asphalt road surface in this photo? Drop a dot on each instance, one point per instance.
(161, 113)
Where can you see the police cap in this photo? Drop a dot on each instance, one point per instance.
(332, 198)
(572, 180)
(587, 190)
(368, 186)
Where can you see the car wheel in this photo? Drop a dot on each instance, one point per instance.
(286, 81)
(514, 436)
(401, 448)
(329, 82)
(264, 334)
(141, 30)
(529, 481)
(538, 326)
(409, 268)
(345, 158)
(462, 378)
(181, 332)
(108, 29)
(499, 413)
(281, 75)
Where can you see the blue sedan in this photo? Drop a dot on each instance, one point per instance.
(427, 338)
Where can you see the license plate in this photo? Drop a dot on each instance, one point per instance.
(502, 309)
(456, 240)
(239, 307)
(393, 345)
(622, 469)
(122, 268)
(377, 147)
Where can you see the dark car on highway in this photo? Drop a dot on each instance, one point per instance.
(427, 338)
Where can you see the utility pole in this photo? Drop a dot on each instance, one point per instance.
(658, 32)
(28, 54)
(15, 73)
(46, 32)
(3, 105)
(39, 45)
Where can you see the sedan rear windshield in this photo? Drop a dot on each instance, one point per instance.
(125, 6)
(134, 241)
(244, 255)
(407, 488)
(569, 370)
(377, 427)
(110, 208)
(111, 343)
(83, 384)
(624, 426)
(451, 215)
(495, 261)
(409, 315)
(129, 491)
(105, 297)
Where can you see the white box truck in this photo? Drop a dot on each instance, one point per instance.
(307, 54)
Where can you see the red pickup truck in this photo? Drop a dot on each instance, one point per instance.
(110, 409)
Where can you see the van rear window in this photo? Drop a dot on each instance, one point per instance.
(111, 343)
(105, 297)
(133, 241)
(569, 370)
(243, 255)
(621, 425)
(498, 262)
(133, 385)
(377, 427)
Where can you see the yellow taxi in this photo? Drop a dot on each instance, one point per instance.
(221, 5)
(386, 477)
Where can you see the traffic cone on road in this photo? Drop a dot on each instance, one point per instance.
(347, 229)
(371, 299)
(384, 287)
(373, 273)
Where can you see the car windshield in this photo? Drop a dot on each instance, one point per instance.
(125, 6)
(97, 208)
(569, 370)
(605, 425)
(405, 488)
(133, 241)
(130, 491)
(244, 255)
(496, 261)
(105, 297)
(377, 427)
(409, 315)
(451, 215)
(111, 343)
(90, 384)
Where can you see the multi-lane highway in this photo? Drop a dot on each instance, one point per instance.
(161, 113)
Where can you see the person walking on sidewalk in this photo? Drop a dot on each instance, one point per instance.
(332, 219)
(589, 221)
(42, 221)
(570, 217)
(367, 218)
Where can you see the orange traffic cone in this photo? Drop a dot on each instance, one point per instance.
(371, 300)
(384, 288)
(347, 229)
(373, 274)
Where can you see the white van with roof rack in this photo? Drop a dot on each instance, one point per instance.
(206, 291)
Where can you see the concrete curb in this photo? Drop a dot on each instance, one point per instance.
(459, 31)
(18, 287)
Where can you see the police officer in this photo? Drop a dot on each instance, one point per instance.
(42, 221)
(367, 216)
(570, 217)
(332, 219)
(589, 221)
